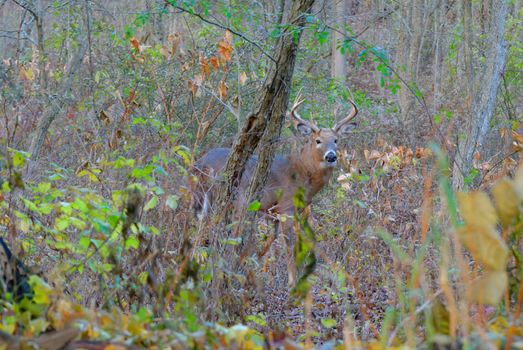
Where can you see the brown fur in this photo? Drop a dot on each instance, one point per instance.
(306, 167)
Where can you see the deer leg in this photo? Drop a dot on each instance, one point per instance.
(290, 240)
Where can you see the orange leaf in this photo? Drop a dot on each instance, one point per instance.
(223, 90)
(204, 66)
(214, 62)
(135, 44)
(224, 50)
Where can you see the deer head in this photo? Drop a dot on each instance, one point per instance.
(322, 143)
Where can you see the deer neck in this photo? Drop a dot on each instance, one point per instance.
(307, 173)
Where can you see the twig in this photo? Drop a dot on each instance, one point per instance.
(219, 25)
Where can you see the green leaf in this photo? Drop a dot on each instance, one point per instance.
(44, 187)
(62, 223)
(328, 322)
(232, 241)
(254, 206)
(85, 242)
(172, 202)
(258, 319)
(41, 290)
(80, 205)
(151, 204)
(18, 159)
(132, 242)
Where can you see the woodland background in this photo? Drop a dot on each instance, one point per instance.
(105, 105)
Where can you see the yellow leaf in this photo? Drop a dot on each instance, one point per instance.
(518, 183)
(228, 36)
(506, 201)
(440, 318)
(476, 209)
(479, 235)
(489, 288)
(485, 245)
(114, 347)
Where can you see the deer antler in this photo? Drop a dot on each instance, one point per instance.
(348, 118)
(298, 120)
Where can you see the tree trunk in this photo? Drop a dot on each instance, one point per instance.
(338, 62)
(403, 53)
(58, 101)
(485, 99)
(467, 43)
(437, 64)
(266, 119)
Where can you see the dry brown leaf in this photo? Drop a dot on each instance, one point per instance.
(374, 154)
(193, 87)
(489, 288)
(26, 73)
(225, 50)
(164, 51)
(104, 118)
(135, 44)
(205, 69)
(506, 201)
(243, 78)
(228, 36)
(214, 62)
(222, 91)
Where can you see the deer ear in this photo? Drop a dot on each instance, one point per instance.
(304, 129)
(345, 129)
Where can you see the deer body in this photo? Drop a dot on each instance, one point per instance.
(309, 166)
(286, 175)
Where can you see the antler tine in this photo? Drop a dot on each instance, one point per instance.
(297, 102)
(349, 117)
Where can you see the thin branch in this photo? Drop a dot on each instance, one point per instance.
(16, 38)
(219, 25)
(26, 6)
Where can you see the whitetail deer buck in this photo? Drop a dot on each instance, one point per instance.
(309, 167)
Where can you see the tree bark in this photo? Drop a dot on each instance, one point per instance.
(485, 99)
(338, 62)
(58, 101)
(266, 119)
(402, 56)
(437, 64)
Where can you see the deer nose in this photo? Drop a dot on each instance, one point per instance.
(330, 157)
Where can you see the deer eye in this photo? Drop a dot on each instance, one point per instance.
(335, 141)
(318, 141)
